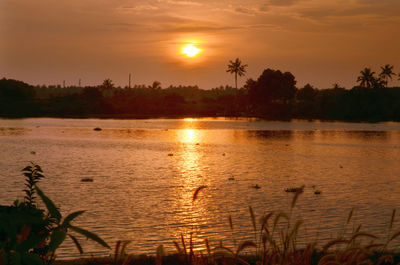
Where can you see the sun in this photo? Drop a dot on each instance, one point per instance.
(190, 50)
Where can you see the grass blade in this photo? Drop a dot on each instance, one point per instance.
(76, 242)
(392, 219)
(245, 245)
(196, 192)
(90, 235)
(350, 215)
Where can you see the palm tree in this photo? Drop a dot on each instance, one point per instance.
(366, 78)
(236, 67)
(386, 73)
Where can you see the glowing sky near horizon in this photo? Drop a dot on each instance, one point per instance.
(321, 42)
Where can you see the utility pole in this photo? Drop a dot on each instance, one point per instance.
(129, 81)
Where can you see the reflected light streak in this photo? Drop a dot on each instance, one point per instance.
(189, 136)
(190, 119)
(190, 177)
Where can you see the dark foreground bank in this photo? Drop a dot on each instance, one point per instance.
(316, 259)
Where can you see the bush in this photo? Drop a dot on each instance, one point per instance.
(30, 235)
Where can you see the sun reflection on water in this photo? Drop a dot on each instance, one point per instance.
(190, 167)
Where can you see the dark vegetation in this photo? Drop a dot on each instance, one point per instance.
(273, 96)
(30, 235)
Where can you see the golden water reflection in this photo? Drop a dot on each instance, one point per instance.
(188, 136)
(190, 164)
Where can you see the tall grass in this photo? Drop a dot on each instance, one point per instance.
(275, 242)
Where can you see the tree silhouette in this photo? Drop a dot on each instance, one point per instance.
(386, 73)
(366, 78)
(156, 85)
(107, 84)
(237, 68)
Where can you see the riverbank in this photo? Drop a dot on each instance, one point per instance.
(316, 258)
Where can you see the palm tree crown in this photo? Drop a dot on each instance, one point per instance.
(366, 78)
(236, 67)
(386, 73)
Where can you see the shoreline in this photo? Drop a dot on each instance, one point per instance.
(172, 117)
(315, 258)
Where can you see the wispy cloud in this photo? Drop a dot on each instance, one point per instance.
(137, 8)
(181, 3)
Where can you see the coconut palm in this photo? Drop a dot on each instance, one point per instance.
(236, 67)
(367, 78)
(386, 73)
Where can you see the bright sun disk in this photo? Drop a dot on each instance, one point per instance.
(190, 50)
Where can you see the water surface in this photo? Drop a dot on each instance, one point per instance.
(145, 171)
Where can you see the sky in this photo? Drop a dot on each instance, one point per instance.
(320, 42)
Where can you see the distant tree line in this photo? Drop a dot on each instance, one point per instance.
(273, 96)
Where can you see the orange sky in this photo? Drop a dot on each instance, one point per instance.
(320, 41)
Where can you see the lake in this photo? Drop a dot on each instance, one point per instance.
(145, 172)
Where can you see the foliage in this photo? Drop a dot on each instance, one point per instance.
(272, 96)
(275, 242)
(236, 67)
(386, 73)
(28, 234)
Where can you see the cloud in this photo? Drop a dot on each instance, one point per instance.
(282, 2)
(137, 8)
(181, 3)
(171, 23)
(246, 11)
(346, 9)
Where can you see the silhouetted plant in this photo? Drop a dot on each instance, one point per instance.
(107, 84)
(33, 174)
(386, 73)
(29, 235)
(156, 85)
(236, 67)
(367, 78)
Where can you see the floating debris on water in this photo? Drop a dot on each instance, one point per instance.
(296, 189)
(170, 154)
(231, 178)
(317, 192)
(87, 180)
(97, 129)
(256, 186)
(33, 152)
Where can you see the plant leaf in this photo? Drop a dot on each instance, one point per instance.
(31, 259)
(76, 242)
(71, 217)
(28, 168)
(57, 237)
(90, 235)
(51, 207)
